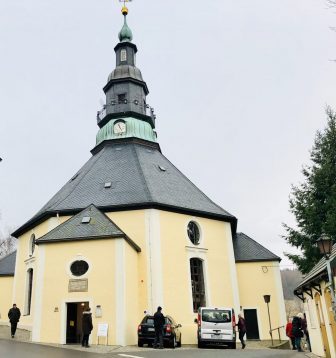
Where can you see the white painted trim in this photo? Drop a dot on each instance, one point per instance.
(63, 313)
(154, 260)
(280, 298)
(18, 256)
(38, 295)
(53, 222)
(233, 268)
(120, 291)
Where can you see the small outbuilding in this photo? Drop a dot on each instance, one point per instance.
(315, 292)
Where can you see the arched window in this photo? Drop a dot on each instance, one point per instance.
(29, 291)
(197, 283)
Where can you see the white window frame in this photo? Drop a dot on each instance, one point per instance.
(123, 55)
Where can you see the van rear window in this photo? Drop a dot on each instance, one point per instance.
(216, 316)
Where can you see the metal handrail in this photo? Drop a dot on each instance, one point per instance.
(276, 329)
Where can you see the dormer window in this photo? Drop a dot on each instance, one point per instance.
(123, 55)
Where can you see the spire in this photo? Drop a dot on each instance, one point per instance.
(125, 34)
(126, 113)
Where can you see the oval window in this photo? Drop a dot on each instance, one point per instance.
(193, 233)
(79, 268)
(32, 245)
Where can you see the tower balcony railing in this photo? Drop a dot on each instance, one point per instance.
(116, 107)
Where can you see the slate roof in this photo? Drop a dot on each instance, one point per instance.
(248, 250)
(7, 264)
(319, 269)
(98, 226)
(141, 177)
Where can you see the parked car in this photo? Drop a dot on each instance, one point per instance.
(171, 334)
(216, 326)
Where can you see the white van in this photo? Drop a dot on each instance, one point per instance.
(216, 326)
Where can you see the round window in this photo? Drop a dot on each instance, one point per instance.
(193, 233)
(79, 268)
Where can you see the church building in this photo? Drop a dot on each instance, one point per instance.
(129, 232)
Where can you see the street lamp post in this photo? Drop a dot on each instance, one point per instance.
(267, 299)
(325, 245)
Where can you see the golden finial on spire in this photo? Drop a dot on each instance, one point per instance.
(124, 9)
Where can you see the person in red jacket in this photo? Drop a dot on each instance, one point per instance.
(289, 332)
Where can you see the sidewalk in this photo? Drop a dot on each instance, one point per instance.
(311, 355)
(24, 336)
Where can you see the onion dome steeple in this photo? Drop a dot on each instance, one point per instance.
(125, 33)
(126, 112)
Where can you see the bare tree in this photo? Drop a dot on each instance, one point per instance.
(7, 241)
(7, 245)
(293, 307)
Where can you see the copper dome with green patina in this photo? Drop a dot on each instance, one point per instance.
(125, 34)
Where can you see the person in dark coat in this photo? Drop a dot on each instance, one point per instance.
(159, 322)
(242, 329)
(86, 327)
(14, 315)
(297, 331)
(305, 329)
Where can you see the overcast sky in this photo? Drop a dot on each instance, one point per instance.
(239, 88)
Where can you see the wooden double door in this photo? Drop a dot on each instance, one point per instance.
(322, 324)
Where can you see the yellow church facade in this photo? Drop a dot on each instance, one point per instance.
(124, 281)
(130, 232)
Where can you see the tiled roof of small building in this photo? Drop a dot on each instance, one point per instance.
(318, 269)
(140, 177)
(88, 224)
(7, 264)
(248, 250)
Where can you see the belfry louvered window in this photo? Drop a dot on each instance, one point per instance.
(197, 283)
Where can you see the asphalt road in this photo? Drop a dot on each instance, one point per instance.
(12, 349)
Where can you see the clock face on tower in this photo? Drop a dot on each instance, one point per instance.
(119, 127)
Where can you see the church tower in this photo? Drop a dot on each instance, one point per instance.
(126, 112)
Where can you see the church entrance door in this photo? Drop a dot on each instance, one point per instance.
(74, 321)
(252, 327)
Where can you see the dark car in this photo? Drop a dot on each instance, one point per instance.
(171, 333)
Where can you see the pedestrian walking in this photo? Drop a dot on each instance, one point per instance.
(241, 329)
(305, 329)
(86, 327)
(14, 315)
(297, 331)
(289, 332)
(159, 321)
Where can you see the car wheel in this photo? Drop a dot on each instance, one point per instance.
(200, 344)
(140, 344)
(173, 342)
(179, 343)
